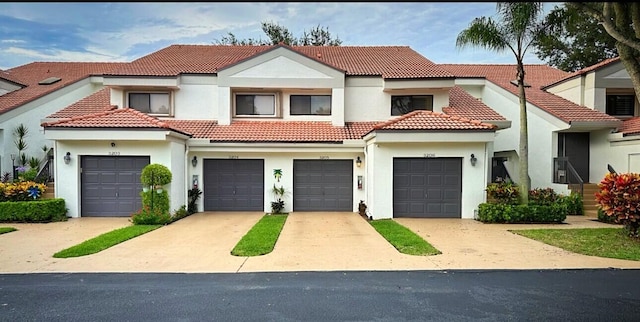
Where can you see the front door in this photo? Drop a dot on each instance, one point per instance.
(575, 147)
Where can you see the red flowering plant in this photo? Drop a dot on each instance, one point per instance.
(618, 198)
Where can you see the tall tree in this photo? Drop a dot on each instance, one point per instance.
(572, 39)
(317, 36)
(621, 20)
(515, 31)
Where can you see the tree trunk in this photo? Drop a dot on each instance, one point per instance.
(525, 183)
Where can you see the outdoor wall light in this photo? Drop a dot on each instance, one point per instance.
(473, 159)
(358, 162)
(67, 158)
(194, 161)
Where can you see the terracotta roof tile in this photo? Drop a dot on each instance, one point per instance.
(272, 131)
(94, 103)
(123, 118)
(31, 74)
(9, 77)
(631, 126)
(462, 104)
(536, 76)
(433, 121)
(385, 61)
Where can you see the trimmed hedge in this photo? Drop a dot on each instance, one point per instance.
(37, 211)
(531, 213)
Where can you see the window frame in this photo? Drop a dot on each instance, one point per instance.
(276, 104)
(169, 93)
(430, 96)
(310, 105)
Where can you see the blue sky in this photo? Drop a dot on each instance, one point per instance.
(122, 31)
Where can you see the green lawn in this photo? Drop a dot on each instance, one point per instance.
(105, 241)
(4, 230)
(601, 242)
(402, 238)
(262, 237)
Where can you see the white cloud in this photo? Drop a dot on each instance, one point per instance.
(61, 55)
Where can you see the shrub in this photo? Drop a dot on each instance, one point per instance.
(543, 196)
(619, 197)
(194, 195)
(155, 175)
(573, 202)
(156, 200)
(148, 216)
(180, 213)
(503, 192)
(38, 211)
(531, 213)
(602, 217)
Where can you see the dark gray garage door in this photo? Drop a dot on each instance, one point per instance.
(111, 185)
(323, 185)
(233, 185)
(429, 188)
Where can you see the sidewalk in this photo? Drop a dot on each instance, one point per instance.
(201, 243)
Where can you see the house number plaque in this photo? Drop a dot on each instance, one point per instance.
(429, 155)
(114, 153)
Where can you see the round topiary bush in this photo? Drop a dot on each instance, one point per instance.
(155, 174)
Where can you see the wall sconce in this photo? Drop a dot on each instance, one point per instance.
(473, 159)
(358, 162)
(67, 158)
(194, 161)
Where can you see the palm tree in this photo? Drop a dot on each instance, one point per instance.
(515, 32)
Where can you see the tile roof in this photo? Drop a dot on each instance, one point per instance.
(432, 121)
(94, 103)
(123, 118)
(272, 131)
(463, 105)
(31, 74)
(631, 126)
(8, 77)
(537, 76)
(385, 61)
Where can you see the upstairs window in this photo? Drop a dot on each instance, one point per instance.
(621, 105)
(151, 103)
(310, 104)
(255, 104)
(401, 105)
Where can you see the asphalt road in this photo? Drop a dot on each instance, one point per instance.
(457, 295)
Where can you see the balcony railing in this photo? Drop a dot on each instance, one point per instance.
(565, 173)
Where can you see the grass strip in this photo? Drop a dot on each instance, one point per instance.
(4, 230)
(105, 241)
(403, 239)
(262, 237)
(601, 242)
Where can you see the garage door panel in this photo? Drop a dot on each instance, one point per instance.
(233, 184)
(323, 185)
(433, 191)
(110, 185)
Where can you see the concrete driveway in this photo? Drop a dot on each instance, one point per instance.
(309, 241)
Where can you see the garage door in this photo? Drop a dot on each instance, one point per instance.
(233, 185)
(323, 185)
(111, 185)
(428, 188)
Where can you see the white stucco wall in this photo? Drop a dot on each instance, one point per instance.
(380, 172)
(31, 116)
(542, 128)
(622, 153)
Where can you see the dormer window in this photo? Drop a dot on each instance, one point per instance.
(255, 105)
(157, 103)
(621, 105)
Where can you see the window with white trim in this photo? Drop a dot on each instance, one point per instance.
(310, 104)
(255, 105)
(158, 103)
(404, 104)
